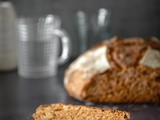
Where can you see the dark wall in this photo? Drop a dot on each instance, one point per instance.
(129, 17)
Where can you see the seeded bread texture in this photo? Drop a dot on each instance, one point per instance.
(125, 81)
(77, 112)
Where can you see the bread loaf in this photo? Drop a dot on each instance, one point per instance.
(117, 70)
(77, 112)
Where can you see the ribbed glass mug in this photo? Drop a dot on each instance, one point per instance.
(39, 46)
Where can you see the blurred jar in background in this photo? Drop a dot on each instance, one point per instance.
(100, 26)
(39, 46)
(92, 28)
(83, 25)
(7, 36)
(104, 24)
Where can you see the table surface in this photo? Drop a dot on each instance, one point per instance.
(20, 97)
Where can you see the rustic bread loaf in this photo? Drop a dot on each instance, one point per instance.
(117, 70)
(77, 112)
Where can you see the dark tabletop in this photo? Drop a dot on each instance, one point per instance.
(20, 97)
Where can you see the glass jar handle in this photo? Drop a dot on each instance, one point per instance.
(66, 45)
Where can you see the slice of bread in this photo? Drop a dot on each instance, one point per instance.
(78, 112)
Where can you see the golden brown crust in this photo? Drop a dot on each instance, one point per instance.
(77, 83)
(78, 112)
(125, 81)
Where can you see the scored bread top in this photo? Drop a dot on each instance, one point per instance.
(116, 53)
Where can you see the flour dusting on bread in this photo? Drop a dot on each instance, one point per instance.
(93, 61)
(151, 58)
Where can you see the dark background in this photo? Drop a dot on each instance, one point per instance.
(130, 18)
(20, 97)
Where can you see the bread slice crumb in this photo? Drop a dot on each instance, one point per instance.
(77, 112)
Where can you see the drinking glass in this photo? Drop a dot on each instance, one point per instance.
(39, 46)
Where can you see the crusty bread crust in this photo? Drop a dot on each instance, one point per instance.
(78, 112)
(125, 81)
